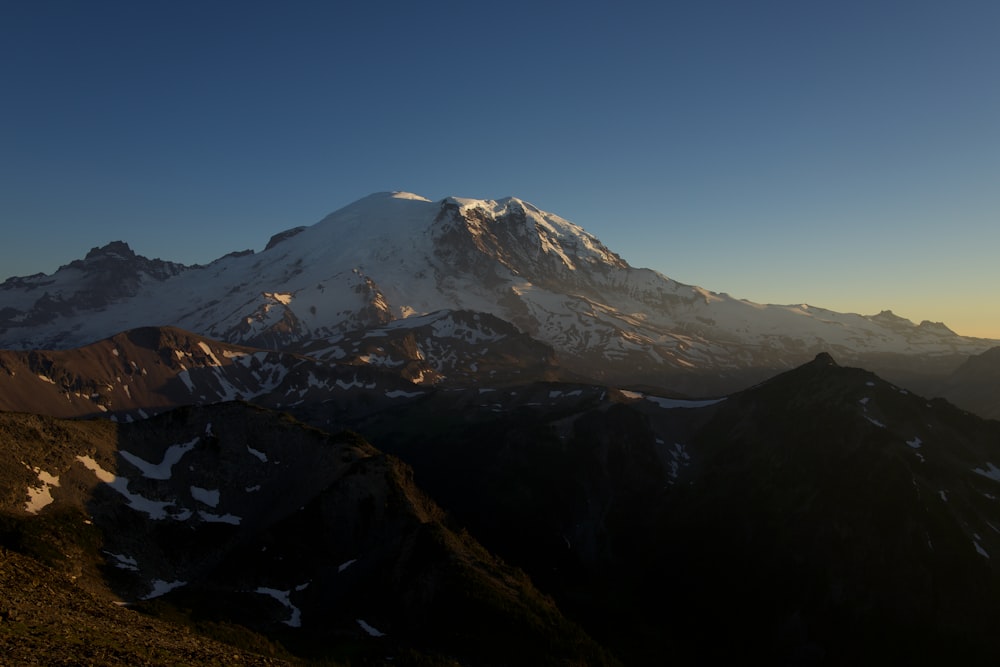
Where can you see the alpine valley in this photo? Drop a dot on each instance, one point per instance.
(466, 432)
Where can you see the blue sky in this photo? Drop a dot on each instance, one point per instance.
(843, 154)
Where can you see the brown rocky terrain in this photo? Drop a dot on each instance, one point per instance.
(47, 619)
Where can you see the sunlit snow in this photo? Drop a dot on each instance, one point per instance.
(41, 496)
(283, 298)
(156, 509)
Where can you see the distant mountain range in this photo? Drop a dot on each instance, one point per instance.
(466, 432)
(389, 257)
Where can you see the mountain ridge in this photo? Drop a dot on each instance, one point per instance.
(392, 256)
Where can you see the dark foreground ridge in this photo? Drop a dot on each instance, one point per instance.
(824, 516)
(253, 528)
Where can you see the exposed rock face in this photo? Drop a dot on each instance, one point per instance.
(283, 236)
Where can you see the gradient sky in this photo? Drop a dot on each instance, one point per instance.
(844, 154)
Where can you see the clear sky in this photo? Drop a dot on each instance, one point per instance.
(840, 153)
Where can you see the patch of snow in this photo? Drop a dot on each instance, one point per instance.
(991, 471)
(41, 496)
(915, 443)
(346, 564)
(95, 467)
(284, 298)
(679, 458)
(944, 495)
(161, 587)
(231, 519)
(399, 393)
(259, 454)
(162, 469)
(45, 379)
(875, 421)
(979, 547)
(123, 562)
(208, 496)
(870, 383)
(285, 598)
(208, 353)
(369, 629)
(252, 489)
(156, 509)
(672, 403)
(185, 377)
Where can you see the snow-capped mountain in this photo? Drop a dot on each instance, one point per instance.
(390, 257)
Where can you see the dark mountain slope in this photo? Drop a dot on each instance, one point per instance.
(823, 516)
(237, 516)
(836, 517)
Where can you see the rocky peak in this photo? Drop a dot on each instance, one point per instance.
(937, 327)
(116, 262)
(526, 241)
(113, 250)
(284, 236)
(824, 359)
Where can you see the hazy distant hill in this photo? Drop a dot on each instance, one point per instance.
(975, 385)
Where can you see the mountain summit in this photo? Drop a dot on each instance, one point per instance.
(391, 256)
